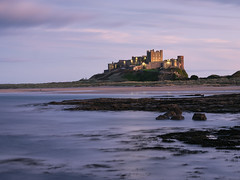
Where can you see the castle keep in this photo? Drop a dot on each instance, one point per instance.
(153, 60)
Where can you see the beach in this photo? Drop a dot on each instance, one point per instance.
(125, 90)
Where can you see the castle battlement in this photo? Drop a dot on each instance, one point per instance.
(153, 60)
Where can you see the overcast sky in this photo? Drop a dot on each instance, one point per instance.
(66, 40)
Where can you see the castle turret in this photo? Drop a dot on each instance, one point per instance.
(180, 60)
(161, 55)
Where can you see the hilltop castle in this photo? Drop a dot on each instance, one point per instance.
(153, 60)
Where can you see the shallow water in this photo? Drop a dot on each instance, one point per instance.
(44, 142)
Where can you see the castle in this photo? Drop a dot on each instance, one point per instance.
(153, 60)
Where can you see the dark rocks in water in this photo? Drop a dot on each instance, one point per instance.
(177, 117)
(225, 103)
(97, 166)
(174, 113)
(194, 95)
(174, 109)
(170, 114)
(25, 161)
(227, 138)
(162, 117)
(199, 117)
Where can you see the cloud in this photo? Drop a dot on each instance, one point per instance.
(14, 13)
(93, 34)
(236, 2)
(216, 41)
(12, 60)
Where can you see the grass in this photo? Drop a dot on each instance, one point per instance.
(146, 75)
(86, 83)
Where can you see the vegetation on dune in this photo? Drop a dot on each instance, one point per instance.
(145, 75)
(146, 79)
(182, 73)
(156, 74)
(213, 76)
(236, 74)
(194, 77)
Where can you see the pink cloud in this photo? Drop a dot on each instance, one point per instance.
(15, 13)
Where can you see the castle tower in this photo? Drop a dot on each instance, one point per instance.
(153, 56)
(161, 55)
(180, 60)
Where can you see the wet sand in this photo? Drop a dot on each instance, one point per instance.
(124, 90)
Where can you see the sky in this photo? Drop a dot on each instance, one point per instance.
(67, 40)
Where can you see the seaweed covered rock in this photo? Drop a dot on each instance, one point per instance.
(174, 113)
(170, 114)
(224, 138)
(175, 108)
(224, 103)
(177, 117)
(199, 117)
(162, 117)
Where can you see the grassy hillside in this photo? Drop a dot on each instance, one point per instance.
(145, 75)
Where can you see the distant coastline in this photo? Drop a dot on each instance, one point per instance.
(127, 89)
(87, 83)
(212, 80)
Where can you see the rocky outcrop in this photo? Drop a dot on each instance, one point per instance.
(172, 74)
(227, 138)
(228, 103)
(141, 75)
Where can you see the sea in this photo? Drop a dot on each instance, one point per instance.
(45, 142)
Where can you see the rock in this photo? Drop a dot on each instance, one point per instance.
(162, 117)
(170, 114)
(177, 117)
(175, 108)
(173, 113)
(226, 138)
(226, 103)
(199, 117)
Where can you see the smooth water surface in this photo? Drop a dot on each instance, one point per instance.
(44, 142)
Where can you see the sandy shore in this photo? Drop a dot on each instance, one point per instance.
(124, 90)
